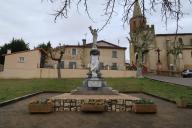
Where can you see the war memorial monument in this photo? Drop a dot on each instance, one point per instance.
(94, 89)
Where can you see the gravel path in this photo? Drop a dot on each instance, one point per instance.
(168, 116)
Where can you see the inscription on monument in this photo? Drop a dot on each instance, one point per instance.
(94, 83)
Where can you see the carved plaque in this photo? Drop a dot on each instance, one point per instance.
(94, 83)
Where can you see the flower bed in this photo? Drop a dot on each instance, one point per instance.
(41, 106)
(144, 106)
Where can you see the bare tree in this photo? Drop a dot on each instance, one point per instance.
(170, 9)
(57, 55)
(176, 51)
(142, 40)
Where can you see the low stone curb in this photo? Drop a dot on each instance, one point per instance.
(40, 92)
(146, 93)
(18, 99)
(26, 96)
(166, 82)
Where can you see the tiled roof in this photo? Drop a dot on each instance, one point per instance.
(40, 49)
(174, 34)
(100, 44)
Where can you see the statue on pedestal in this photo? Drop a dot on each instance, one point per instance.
(94, 62)
(94, 84)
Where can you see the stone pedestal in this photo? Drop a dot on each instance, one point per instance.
(94, 86)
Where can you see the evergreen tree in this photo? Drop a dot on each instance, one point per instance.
(15, 45)
(44, 46)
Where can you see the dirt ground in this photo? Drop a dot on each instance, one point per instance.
(168, 116)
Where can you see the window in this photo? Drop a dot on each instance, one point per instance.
(21, 59)
(142, 23)
(180, 41)
(114, 54)
(190, 42)
(74, 51)
(72, 65)
(134, 25)
(62, 65)
(114, 66)
(191, 53)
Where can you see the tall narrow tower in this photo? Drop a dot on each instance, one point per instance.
(139, 26)
(137, 22)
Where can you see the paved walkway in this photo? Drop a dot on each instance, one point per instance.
(168, 116)
(174, 80)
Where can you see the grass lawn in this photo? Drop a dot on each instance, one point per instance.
(13, 87)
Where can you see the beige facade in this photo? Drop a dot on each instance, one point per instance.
(65, 73)
(28, 64)
(168, 44)
(165, 42)
(78, 56)
(23, 60)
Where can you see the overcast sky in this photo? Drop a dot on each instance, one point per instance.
(32, 21)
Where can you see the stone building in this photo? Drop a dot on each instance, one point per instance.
(25, 60)
(78, 56)
(175, 50)
(35, 63)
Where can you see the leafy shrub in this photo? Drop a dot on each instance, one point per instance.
(144, 101)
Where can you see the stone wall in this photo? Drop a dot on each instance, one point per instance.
(65, 73)
(20, 73)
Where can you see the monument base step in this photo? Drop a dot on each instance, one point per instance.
(113, 103)
(100, 91)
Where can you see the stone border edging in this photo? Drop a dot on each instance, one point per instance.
(7, 102)
(167, 82)
(40, 92)
(162, 98)
(146, 93)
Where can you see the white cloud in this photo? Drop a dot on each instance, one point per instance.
(31, 20)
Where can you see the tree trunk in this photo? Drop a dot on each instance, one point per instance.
(59, 70)
(175, 64)
(139, 73)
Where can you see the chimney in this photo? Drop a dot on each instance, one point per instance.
(84, 41)
(8, 51)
